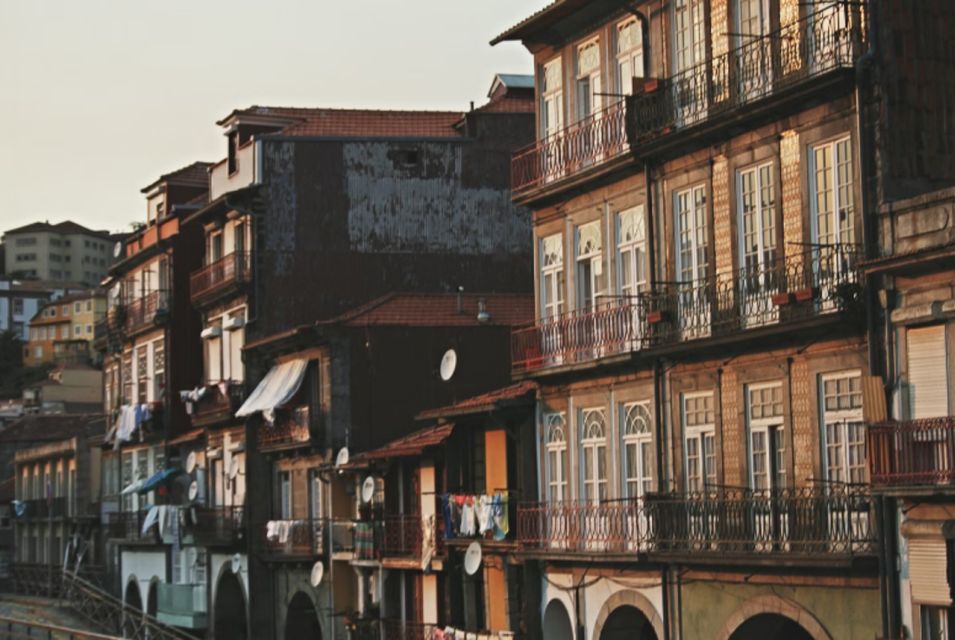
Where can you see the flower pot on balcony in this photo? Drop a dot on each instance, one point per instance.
(655, 317)
(782, 299)
(806, 294)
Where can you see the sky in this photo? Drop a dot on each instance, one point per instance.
(100, 97)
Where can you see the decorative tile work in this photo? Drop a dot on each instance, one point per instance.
(792, 194)
(722, 222)
(804, 436)
(733, 464)
(718, 29)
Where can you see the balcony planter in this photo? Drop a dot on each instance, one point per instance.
(656, 317)
(782, 299)
(806, 294)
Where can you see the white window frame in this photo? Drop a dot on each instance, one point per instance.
(589, 83)
(555, 450)
(636, 434)
(552, 97)
(552, 279)
(590, 276)
(843, 430)
(632, 250)
(690, 229)
(833, 185)
(769, 428)
(701, 434)
(629, 55)
(593, 429)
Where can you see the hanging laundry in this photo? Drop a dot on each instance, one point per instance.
(501, 524)
(468, 522)
(449, 531)
(483, 512)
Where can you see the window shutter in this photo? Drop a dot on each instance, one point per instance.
(927, 372)
(928, 572)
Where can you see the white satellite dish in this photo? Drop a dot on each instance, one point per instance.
(191, 462)
(233, 467)
(472, 558)
(318, 572)
(342, 458)
(193, 490)
(449, 362)
(236, 563)
(367, 489)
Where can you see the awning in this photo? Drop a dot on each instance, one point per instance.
(277, 388)
(157, 479)
(414, 444)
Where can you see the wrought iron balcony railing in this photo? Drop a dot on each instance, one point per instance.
(393, 629)
(219, 276)
(40, 508)
(128, 525)
(402, 536)
(147, 311)
(766, 65)
(826, 521)
(292, 538)
(219, 525)
(219, 403)
(599, 137)
(822, 280)
(912, 453)
(292, 428)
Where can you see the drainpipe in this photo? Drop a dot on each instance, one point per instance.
(651, 227)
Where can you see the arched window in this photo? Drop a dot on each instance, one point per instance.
(593, 427)
(637, 427)
(555, 429)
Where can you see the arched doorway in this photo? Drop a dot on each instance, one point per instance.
(134, 606)
(770, 626)
(301, 619)
(229, 609)
(627, 623)
(557, 622)
(152, 600)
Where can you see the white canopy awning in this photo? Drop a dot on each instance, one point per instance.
(277, 388)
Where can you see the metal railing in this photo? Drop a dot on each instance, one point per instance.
(216, 406)
(588, 142)
(828, 39)
(826, 521)
(913, 452)
(128, 525)
(802, 285)
(292, 537)
(292, 428)
(393, 629)
(232, 269)
(14, 629)
(177, 603)
(141, 313)
(46, 508)
(219, 525)
(401, 536)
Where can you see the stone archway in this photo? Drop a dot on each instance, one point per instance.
(152, 600)
(763, 613)
(229, 610)
(301, 619)
(133, 600)
(770, 626)
(557, 625)
(622, 607)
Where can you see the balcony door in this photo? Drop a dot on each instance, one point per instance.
(690, 77)
(552, 119)
(692, 262)
(636, 425)
(555, 525)
(551, 297)
(829, 37)
(632, 270)
(767, 466)
(592, 426)
(752, 59)
(587, 144)
(832, 207)
(587, 336)
(759, 270)
(699, 440)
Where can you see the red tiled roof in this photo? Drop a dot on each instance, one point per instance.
(196, 174)
(46, 428)
(412, 444)
(441, 310)
(67, 226)
(188, 436)
(358, 123)
(485, 401)
(509, 105)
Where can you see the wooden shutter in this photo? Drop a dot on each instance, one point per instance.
(927, 372)
(928, 572)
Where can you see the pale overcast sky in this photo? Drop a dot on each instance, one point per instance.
(100, 97)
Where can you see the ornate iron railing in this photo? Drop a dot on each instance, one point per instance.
(128, 525)
(46, 508)
(913, 452)
(823, 41)
(216, 406)
(219, 525)
(292, 428)
(401, 536)
(812, 521)
(575, 526)
(393, 629)
(233, 269)
(818, 281)
(14, 629)
(592, 140)
(142, 313)
(305, 538)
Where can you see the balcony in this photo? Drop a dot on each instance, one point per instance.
(146, 312)
(41, 508)
(220, 277)
(292, 428)
(913, 454)
(217, 406)
(292, 539)
(219, 526)
(771, 297)
(756, 76)
(401, 536)
(393, 629)
(586, 144)
(828, 522)
(128, 525)
(182, 605)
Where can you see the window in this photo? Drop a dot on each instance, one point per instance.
(239, 238)
(65, 310)
(552, 96)
(593, 429)
(756, 204)
(589, 100)
(37, 352)
(935, 622)
(18, 305)
(699, 430)
(89, 305)
(89, 329)
(77, 307)
(55, 257)
(78, 330)
(213, 346)
(215, 247)
(552, 276)
(26, 257)
(843, 429)
(631, 252)
(689, 26)
(927, 372)
(160, 210)
(557, 465)
(637, 427)
(316, 487)
(831, 186)
(142, 375)
(25, 242)
(285, 495)
(590, 275)
(691, 234)
(159, 369)
(629, 55)
(767, 446)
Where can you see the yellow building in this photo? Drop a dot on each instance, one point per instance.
(63, 330)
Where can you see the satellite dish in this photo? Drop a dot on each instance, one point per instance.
(449, 362)
(117, 249)
(193, 490)
(318, 572)
(472, 558)
(233, 467)
(342, 458)
(367, 489)
(191, 462)
(236, 563)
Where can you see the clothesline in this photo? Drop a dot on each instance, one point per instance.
(469, 515)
